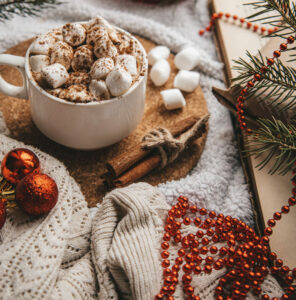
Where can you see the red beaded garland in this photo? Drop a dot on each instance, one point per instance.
(245, 256)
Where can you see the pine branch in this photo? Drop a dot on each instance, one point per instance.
(283, 15)
(277, 86)
(8, 8)
(274, 139)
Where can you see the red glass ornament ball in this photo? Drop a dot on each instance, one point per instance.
(18, 163)
(36, 194)
(2, 212)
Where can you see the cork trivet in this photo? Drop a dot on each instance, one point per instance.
(87, 166)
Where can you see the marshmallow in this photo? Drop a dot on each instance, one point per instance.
(55, 75)
(101, 68)
(76, 93)
(55, 92)
(186, 81)
(160, 72)
(187, 59)
(83, 58)
(57, 34)
(78, 78)
(173, 99)
(99, 88)
(62, 54)
(42, 44)
(74, 34)
(157, 53)
(104, 49)
(37, 62)
(127, 45)
(128, 63)
(98, 20)
(96, 33)
(118, 81)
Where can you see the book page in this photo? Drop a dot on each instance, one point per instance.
(272, 191)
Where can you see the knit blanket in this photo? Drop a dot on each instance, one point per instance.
(66, 256)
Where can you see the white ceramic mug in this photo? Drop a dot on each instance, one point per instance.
(83, 126)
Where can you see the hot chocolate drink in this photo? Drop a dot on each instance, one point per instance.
(83, 62)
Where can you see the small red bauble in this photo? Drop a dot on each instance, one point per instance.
(36, 194)
(18, 163)
(2, 212)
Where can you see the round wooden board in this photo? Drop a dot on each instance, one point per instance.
(87, 166)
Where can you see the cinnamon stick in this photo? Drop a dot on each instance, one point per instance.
(124, 161)
(148, 164)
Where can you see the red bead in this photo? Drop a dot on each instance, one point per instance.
(167, 272)
(178, 238)
(277, 216)
(283, 46)
(250, 84)
(279, 263)
(270, 61)
(227, 15)
(263, 29)
(175, 268)
(267, 231)
(205, 241)
(292, 201)
(197, 221)
(181, 252)
(186, 221)
(193, 208)
(285, 209)
(204, 250)
(188, 257)
(249, 24)
(190, 237)
(271, 222)
(187, 269)
(165, 254)
(189, 290)
(165, 245)
(257, 77)
(185, 243)
(276, 53)
(290, 40)
(203, 211)
(165, 263)
(197, 270)
(166, 237)
(199, 233)
(255, 27)
(209, 260)
(242, 20)
(207, 269)
(186, 278)
(263, 69)
(159, 297)
(179, 260)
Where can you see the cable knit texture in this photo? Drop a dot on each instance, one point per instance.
(58, 256)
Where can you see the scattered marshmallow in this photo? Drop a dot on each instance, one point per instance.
(160, 72)
(96, 33)
(99, 88)
(42, 44)
(187, 59)
(157, 53)
(62, 54)
(37, 62)
(104, 49)
(128, 63)
(173, 99)
(83, 58)
(55, 75)
(118, 81)
(76, 93)
(74, 34)
(101, 68)
(186, 81)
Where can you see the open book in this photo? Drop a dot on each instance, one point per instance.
(270, 192)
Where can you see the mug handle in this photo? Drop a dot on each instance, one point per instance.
(10, 89)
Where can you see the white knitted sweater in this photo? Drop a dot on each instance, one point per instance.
(61, 256)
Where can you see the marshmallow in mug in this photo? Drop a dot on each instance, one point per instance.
(74, 34)
(62, 53)
(101, 68)
(173, 99)
(76, 93)
(95, 33)
(160, 72)
(127, 62)
(104, 48)
(118, 81)
(157, 53)
(99, 88)
(55, 75)
(37, 62)
(186, 81)
(83, 58)
(42, 44)
(187, 59)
